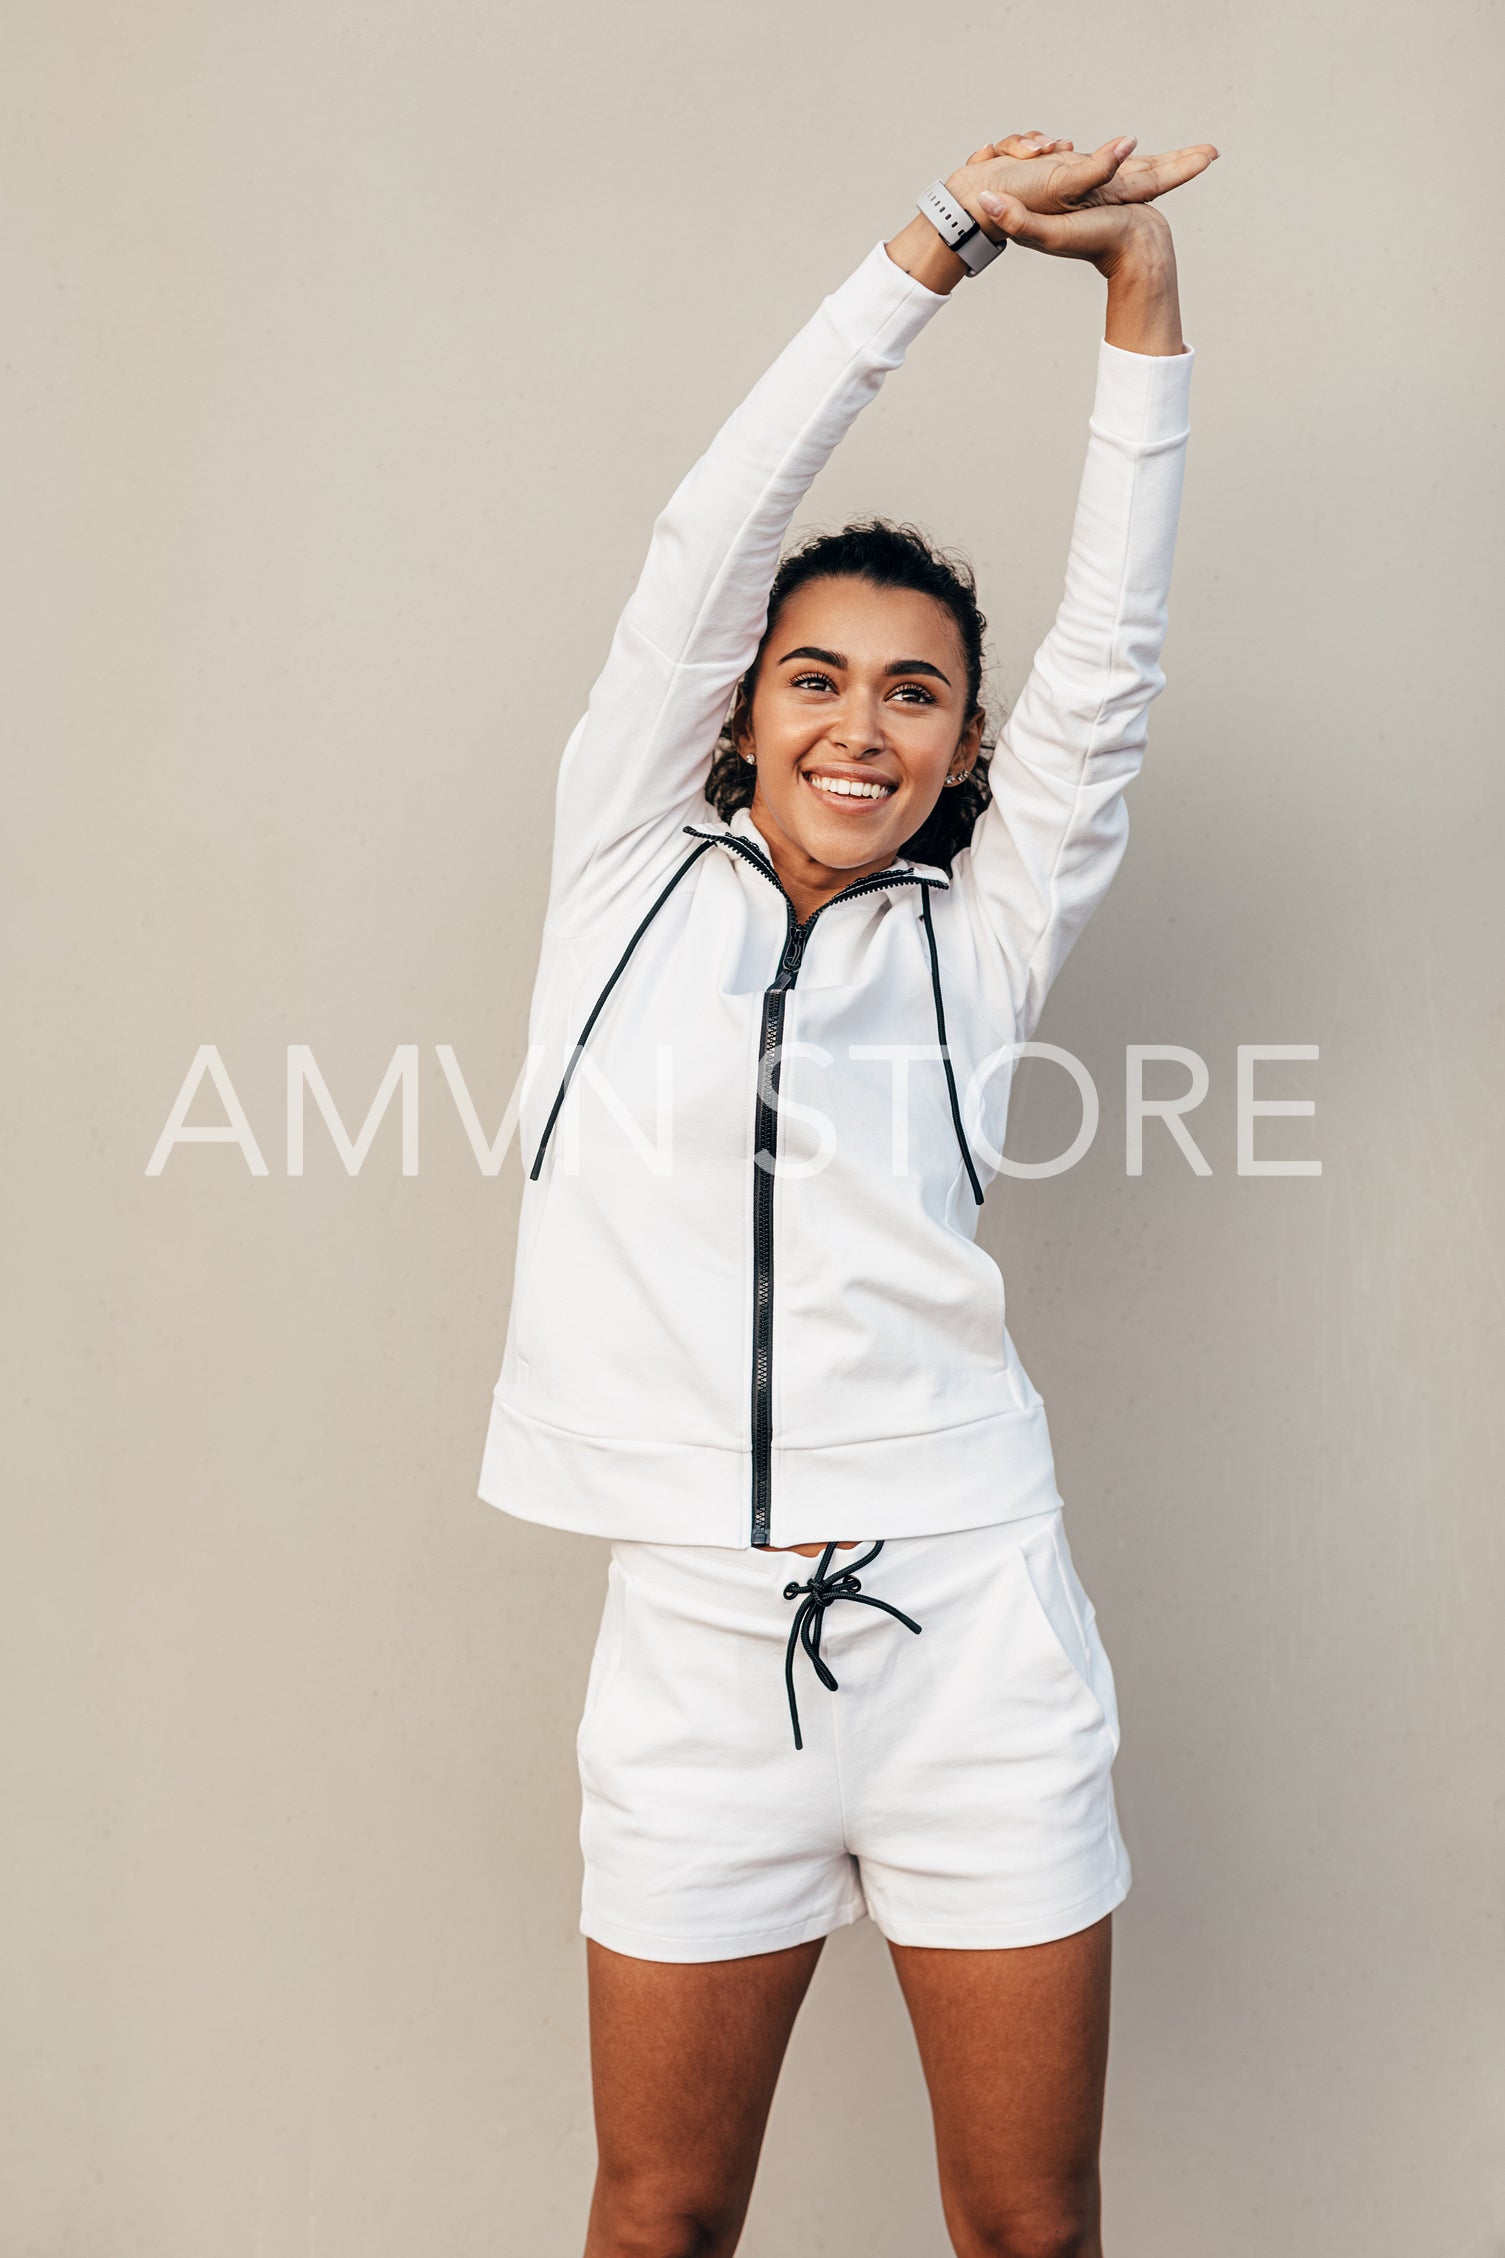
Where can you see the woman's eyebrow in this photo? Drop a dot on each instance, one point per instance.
(834, 658)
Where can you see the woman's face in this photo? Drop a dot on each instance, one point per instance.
(859, 714)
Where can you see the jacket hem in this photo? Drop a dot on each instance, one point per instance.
(999, 1468)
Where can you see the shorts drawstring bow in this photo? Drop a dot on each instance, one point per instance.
(820, 1590)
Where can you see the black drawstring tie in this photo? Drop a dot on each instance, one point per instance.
(820, 1591)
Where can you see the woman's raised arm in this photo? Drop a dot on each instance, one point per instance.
(634, 768)
(1045, 849)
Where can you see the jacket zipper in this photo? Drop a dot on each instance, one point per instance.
(765, 1153)
(765, 1119)
(765, 1149)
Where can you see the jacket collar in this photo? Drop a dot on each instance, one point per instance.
(743, 827)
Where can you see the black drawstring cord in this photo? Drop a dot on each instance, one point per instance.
(940, 1028)
(805, 1630)
(620, 967)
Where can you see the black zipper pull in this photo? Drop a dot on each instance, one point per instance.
(794, 949)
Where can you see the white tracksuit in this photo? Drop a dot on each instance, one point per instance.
(749, 1307)
(703, 1349)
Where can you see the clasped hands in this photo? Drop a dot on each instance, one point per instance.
(1040, 192)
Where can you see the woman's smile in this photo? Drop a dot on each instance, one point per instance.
(849, 790)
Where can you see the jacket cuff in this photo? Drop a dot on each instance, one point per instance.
(879, 300)
(1143, 396)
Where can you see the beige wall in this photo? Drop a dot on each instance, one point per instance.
(350, 353)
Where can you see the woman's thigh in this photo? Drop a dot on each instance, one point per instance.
(1014, 2046)
(685, 2056)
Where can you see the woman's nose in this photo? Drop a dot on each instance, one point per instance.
(857, 728)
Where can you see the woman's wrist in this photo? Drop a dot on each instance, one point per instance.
(1144, 301)
(921, 251)
(962, 186)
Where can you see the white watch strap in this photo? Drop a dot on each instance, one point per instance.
(956, 227)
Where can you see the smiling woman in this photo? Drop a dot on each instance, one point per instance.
(889, 711)
(782, 858)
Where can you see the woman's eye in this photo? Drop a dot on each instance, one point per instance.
(913, 690)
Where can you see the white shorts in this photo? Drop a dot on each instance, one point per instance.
(958, 1785)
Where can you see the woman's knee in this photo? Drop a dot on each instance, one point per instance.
(1068, 2231)
(645, 2215)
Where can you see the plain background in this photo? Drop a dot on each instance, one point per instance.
(350, 353)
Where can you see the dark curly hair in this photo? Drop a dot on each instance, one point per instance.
(887, 555)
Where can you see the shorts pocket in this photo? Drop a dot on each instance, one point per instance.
(1069, 1615)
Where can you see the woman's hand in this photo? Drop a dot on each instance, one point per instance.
(1106, 235)
(1096, 208)
(1038, 191)
(1131, 248)
(1046, 176)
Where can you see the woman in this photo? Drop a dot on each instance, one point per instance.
(788, 953)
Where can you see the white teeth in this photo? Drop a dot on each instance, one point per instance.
(847, 788)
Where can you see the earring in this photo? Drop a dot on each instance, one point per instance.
(751, 759)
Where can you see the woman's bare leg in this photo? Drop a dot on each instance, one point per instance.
(684, 2060)
(1014, 2046)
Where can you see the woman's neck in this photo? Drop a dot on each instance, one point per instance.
(808, 883)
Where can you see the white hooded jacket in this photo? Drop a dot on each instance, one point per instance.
(748, 1303)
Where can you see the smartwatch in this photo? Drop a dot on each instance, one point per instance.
(958, 229)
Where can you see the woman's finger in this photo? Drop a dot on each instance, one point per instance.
(1077, 176)
(1146, 177)
(1082, 234)
(1021, 145)
(1009, 217)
